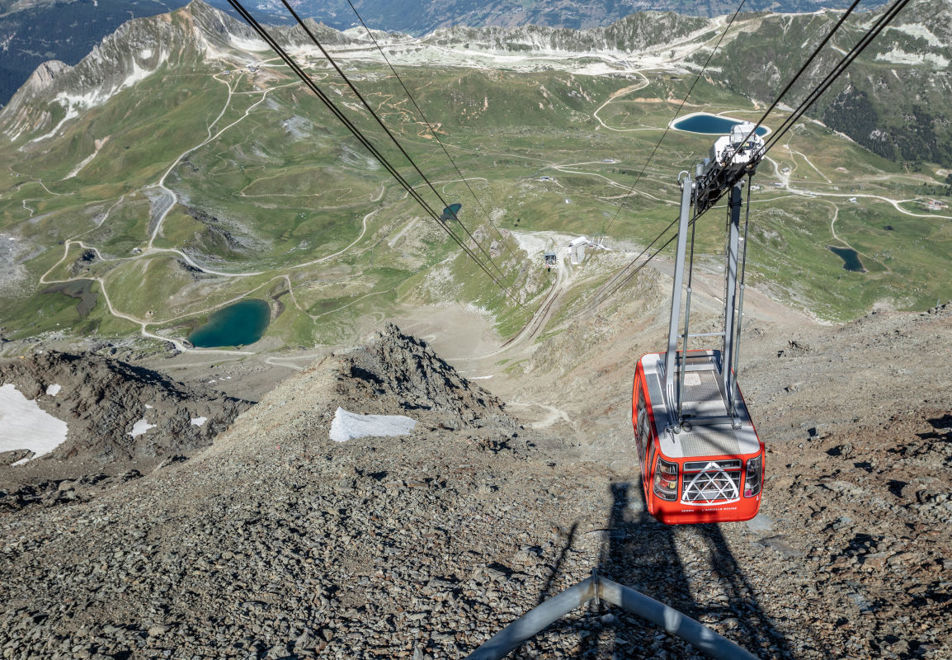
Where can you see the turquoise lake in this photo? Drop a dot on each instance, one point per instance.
(710, 124)
(239, 324)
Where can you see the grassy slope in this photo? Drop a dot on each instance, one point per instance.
(286, 186)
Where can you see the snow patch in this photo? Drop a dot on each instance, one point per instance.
(349, 426)
(919, 31)
(199, 421)
(99, 144)
(145, 53)
(140, 427)
(248, 44)
(898, 56)
(54, 389)
(24, 425)
(138, 74)
(71, 113)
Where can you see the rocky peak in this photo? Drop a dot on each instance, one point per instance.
(45, 74)
(395, 372)
(133, 52)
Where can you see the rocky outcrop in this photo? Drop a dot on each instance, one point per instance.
(399, 372)
(102, 399)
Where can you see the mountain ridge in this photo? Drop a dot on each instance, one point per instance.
(31, 32)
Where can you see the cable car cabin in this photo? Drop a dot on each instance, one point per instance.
(711, 467)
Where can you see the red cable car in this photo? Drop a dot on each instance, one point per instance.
(701, 459)
(711, 467)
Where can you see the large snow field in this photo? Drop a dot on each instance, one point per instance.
(24, 425)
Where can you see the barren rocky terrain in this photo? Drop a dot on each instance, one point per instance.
(276, 542)
(122, 421)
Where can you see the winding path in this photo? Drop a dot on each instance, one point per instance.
(169, 199)
(624, 91)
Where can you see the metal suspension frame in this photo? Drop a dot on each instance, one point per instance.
(692, 189)
(688, 186)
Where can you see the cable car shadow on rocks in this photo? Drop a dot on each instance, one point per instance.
(642, 553)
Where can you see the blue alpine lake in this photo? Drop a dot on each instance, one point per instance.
(703, 122)
(238, 324)
(850, 259)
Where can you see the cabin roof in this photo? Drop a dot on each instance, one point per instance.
(703, 398)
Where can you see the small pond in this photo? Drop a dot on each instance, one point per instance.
(702, 122)
(850, 259)
(239, 324)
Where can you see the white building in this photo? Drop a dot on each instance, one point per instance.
(577, 250)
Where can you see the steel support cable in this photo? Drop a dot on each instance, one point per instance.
(775, 137)
(822, 87)
(600, 297)
(637, 270)
(789, 84)
(676, 113)
(831, 77)
(306, 79)
(428, 125)
(854, 52)
(609, 284)
(784, 126)
(379, 121)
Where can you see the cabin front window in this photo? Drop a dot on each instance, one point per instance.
(711, 481)
(752, 481)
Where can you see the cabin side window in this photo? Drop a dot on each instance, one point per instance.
(642, 435)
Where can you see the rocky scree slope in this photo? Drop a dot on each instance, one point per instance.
(276, 542)
(101, 399)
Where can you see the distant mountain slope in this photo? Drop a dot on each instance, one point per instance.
(893, 99)
(138, 48)
(34, 32)
(176, 169)
(417, 18)
(632, 33)
(131, 53)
